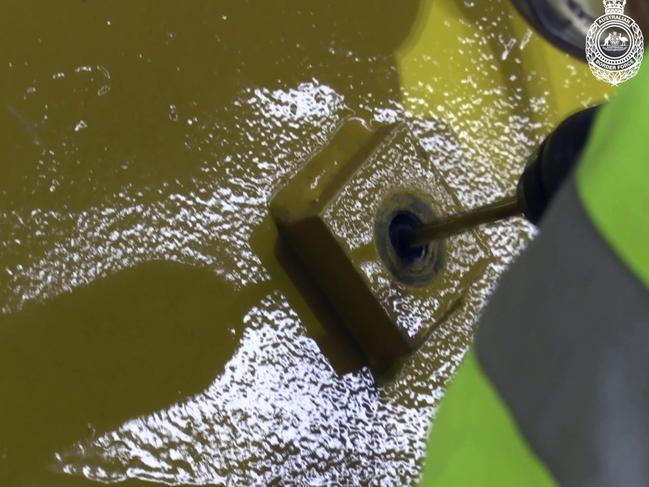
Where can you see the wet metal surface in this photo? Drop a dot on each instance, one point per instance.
(159, 335)
(399, 166)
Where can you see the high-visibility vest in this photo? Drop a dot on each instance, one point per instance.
(555, 390)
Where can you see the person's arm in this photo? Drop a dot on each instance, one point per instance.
(555, 389)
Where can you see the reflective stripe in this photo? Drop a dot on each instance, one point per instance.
(613, 176)
(564, 340)
(475, 442)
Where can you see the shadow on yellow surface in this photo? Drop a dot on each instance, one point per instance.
(130, 344)
(320, 320)
(159, 64)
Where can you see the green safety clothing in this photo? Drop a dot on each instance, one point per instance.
(555, 390)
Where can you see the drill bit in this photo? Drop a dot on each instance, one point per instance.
(504, 208)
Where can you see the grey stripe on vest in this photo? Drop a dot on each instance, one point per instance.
(565, 341)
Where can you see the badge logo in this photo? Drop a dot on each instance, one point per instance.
(614, 45)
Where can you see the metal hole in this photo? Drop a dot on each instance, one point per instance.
(399, 214)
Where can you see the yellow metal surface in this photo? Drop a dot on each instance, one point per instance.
(490, 52)
(134, 133)
(335, 216)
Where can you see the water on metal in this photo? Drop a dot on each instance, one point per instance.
(149, 330)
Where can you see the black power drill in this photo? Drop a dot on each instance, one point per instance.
(544, 174)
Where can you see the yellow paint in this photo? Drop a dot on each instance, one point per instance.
(139, 131)
(453, 42)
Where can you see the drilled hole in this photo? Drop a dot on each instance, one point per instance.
(400, 214)
(401, 225)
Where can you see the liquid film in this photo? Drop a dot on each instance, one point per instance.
(149, 330)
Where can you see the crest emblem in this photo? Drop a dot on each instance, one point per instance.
(614, 45)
